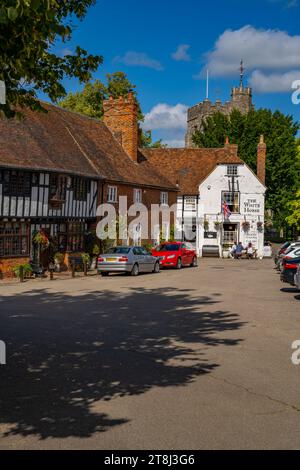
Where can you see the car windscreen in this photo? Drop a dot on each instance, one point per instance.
(119, 250)
(168, 248)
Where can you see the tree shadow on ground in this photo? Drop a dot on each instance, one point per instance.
(67, 352)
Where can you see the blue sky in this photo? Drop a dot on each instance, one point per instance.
(164, 47)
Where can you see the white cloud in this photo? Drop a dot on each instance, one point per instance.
(182, 53)
(66, 51)
(273, 83)
(175, 143)
(138, 59)
(170, 122)
(286, 3)
(164, 116)
(271, 50)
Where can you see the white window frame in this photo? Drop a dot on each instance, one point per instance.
(112, 194)
(164, 198)
(137, 196)
(232, 170)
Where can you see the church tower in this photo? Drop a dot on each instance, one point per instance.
(241, 99)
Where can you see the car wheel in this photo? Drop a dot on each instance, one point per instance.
(179, 264)
(156, 268)
(104, 274)
(194, 263)
(135, 270)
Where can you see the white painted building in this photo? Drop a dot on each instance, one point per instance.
(208, 177)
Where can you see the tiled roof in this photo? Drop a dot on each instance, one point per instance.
(63, 141)
(188, 167)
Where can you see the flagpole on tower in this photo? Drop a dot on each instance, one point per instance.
(207, 84)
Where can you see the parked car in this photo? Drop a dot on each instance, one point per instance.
(289, 269)
(128, 259)
(297, 277)
(293, 251)
(281, 250)
(176, 255)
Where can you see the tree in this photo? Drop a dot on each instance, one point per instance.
(28, 31)
(282, 166)
(147, 142)
(89, 101)
(294, 218)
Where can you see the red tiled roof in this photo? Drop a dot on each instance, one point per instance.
(188, 167)
(63, 141)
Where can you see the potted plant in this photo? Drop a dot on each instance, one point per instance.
(226, 250)
(58, 260)
(22, 270)
(246, 226)
(206, 225)
(218, 225)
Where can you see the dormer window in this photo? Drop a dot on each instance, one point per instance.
(232, 170)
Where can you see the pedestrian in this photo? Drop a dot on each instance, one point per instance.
(239, 251)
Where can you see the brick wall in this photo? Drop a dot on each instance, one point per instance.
(7, 265)
(149, 196)
(120, 116)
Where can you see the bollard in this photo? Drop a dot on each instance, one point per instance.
(85, 268)
(21, 273)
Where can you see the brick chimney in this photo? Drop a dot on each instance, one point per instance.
(261, 160)
(120, 116)
(232, 149)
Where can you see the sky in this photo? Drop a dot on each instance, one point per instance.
(165, 47)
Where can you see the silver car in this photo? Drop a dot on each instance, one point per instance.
(128, 259)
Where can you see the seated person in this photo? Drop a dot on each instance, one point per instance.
(233, 250)
(239, 251)
(250, 251)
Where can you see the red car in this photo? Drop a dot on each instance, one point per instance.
(176, 255)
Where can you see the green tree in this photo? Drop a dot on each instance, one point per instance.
(282, 167)
(89, 101)
(28, 31)
(294, 218)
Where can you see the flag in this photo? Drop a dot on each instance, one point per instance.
(226, 210)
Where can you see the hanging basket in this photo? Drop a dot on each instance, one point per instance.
(246, 226)
(260, 226)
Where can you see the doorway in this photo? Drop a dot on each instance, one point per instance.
(230, 233)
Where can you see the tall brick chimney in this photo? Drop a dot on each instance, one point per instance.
(120, 116)
(261, 160)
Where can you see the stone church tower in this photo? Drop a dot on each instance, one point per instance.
(241, 99)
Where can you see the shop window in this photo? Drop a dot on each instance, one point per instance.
(14, 239)
(75, 236)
